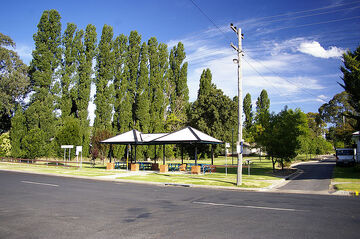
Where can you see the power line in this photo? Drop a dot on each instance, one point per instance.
(270, 82)
(316, 23)
(202, 12)
(301, 87)
(311, 10)
(311, 15)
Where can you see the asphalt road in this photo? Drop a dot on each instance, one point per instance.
(315, 177)
(37, 206)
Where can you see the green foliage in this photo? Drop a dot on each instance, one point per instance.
(14, 81)
(34, 143)
(281, 137)
(142, 103)
(17, 133)
(338, 113)
(5, 145)
(179, 92)
(40, 115)
(104, 77)
(351, 79)
(213, 112)
(69, 133)
(99, 150)
(68, 69)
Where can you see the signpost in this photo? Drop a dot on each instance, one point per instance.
(79, 150)
(67, 147)
(227, 145)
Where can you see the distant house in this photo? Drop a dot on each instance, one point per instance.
(248, 149)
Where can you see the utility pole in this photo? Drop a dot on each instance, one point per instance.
(240, 106)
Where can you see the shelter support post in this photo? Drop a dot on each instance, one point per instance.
(127, 157)
(131, 151)
(182, 154)
(164, 154)
(110, 153)
(155, 152)
(212, 154)
(196, 155)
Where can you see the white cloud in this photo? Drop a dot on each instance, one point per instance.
(25, 53)
(315, 49)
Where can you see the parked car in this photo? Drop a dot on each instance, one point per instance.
(345, 156)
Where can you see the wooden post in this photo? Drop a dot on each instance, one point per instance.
(135, 152)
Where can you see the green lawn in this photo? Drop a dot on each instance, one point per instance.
(347, 178)
(86, 170)
(260, 174)
(213, 179)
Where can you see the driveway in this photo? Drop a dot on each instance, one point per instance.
(315, 177)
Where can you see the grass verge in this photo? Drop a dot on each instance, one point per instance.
(347, 178)
(86, 170)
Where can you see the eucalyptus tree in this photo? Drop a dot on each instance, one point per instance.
(14, 81)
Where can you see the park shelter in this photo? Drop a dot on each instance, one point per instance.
(187, 135)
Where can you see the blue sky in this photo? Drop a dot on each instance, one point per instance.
(292, 48)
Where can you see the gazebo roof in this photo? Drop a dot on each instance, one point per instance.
(130, 137)
(185, 135)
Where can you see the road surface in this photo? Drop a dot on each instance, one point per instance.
(315, 177)
(38, 206)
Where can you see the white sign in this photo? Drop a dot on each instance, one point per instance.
(238, 148)
(67, 146)
(227, 145)
(78, 149)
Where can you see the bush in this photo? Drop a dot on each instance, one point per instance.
(5, 145)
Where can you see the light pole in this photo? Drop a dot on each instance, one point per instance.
(240, 107)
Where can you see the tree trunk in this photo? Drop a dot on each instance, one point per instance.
(273, 163)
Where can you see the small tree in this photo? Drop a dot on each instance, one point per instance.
(5, 146)
(99, 150)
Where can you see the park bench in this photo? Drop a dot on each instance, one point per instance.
(145, 165)
(174, 166)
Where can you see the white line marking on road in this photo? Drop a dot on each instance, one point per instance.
(46, 184)
(254, 207)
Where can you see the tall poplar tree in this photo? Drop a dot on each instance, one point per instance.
(86, 53)
(68, 69)
(142, 113)
(43, 73)
(213, 112)
(179, 95)
(121, 105)
(262, 117)
(248, 111)
(104, 80)
(133, 59)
